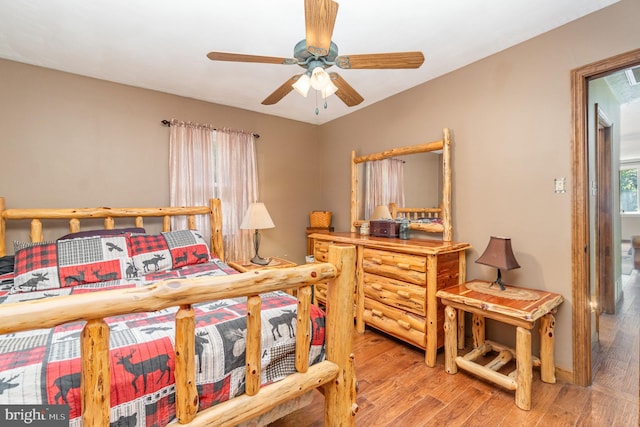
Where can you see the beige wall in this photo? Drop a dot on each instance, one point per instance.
(511, 120)
(71, 141)
(74, 141)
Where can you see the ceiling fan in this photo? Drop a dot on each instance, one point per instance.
(317, 52)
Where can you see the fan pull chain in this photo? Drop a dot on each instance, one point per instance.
(317, 111)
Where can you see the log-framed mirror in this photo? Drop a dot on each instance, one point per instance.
(439, 216)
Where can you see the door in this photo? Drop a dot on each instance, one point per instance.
(604, 280)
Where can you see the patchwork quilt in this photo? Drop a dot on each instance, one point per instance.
(43, 366)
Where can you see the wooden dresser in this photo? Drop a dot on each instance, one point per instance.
(396, 284)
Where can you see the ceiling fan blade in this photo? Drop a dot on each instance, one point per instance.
(381, 60)
(238, 57)
(281, 92)
(320, 17)
(345, 92)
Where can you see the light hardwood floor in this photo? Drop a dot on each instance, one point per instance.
(396, 389)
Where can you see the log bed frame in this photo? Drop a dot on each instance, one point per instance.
(443, 211)
(335, 376)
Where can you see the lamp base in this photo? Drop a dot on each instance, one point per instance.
(260, 261)
(498, 281)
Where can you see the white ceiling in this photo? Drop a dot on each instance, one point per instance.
(162, 44)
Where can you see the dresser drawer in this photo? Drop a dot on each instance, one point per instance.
(396, 293)
(409, 268)
(321, 250)
(401, 324)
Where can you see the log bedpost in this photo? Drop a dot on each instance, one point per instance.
(303, 329)
(217, 244)
(253, 345)
(95, 377)
(185, 374)
(340, 394)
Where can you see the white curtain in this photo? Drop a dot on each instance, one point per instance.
(205, 163)
(237, 174)
(384, 183)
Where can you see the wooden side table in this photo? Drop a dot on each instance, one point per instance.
(515, 306)
(246, 265)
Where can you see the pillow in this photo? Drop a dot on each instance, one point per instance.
(92, 259)
(187, 248)
(102, 233)
(169, 250)
(72, 262)
(36, 268)
(18, 245)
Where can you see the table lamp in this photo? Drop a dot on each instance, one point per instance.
(499, 255)
(381, 212)
(257, 218)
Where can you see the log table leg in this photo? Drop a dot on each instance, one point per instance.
(524, 368)
(478, 330)
(547, 364)
(461, 331)
(450, 340)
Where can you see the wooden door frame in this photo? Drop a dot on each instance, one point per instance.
(580, 234)
(604, 218)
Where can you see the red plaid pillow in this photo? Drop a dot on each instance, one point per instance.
(36, 268)
(167, 251)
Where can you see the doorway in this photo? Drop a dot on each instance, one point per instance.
(581, 234)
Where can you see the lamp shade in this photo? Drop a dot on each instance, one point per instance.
(381, 212)
(499, 254)
(257, 218)
(302, 85)
(319, 78)
(329, 90)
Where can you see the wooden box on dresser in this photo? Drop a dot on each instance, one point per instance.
(396, 284)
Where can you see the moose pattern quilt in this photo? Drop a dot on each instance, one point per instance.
(43, 366)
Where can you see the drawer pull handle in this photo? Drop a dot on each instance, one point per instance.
(404, 294)
(376, 260)
(377, 286)
(404, 266)
(404, 324)
(377, 313)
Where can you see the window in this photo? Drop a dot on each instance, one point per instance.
(629, 190)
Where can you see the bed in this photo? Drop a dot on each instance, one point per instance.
(434, 219)
(128, 328)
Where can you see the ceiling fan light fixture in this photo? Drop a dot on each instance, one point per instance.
(302, 85)
(319, 78)
(329, 90)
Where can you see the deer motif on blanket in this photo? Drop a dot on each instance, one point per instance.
(79, 278)
(7, 384)
(182, 259)
(145, 367)
(132, 270)
(199, 347)
(105, 277)
(36, 278)
(65, 383)
(152, 261)
(286, 318)
(200, 255)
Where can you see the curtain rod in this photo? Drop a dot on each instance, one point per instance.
(167, 123)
